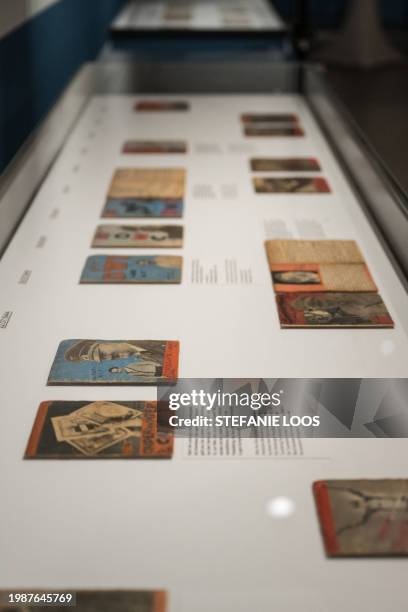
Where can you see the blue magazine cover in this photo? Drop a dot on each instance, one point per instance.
(142, 207)
(115, 362)
(132, 269)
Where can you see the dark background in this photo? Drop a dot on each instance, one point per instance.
(38, 59)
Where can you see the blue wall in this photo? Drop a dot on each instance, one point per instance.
(38, 59)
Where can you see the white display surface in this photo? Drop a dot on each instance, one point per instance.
(204, 15)
(198, 528)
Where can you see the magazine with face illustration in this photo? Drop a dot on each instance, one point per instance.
(118, 362)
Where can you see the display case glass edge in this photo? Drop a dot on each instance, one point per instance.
(27, 170)
(196, 77)
(381, 198)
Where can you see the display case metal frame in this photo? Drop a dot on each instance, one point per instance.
(381, 198)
